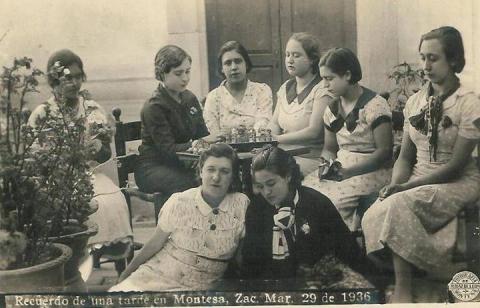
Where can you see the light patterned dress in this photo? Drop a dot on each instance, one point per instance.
(295, 109)
(356, 144)
(202, 241)
(420, 224)
(223, 112)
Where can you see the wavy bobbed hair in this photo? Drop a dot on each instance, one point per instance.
(169, 57)
(452, 43)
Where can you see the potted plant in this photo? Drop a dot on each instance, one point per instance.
(45, 187)
(408, 79)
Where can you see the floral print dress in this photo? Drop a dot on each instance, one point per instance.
(420, 224)
(356, 143)
(223, 112)
(202, 241)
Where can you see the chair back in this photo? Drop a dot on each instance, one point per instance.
(125, 132)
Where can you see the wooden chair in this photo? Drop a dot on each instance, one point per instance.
(126, 163)
(468, 245)
(126, 132)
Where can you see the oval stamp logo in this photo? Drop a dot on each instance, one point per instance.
(465, 286)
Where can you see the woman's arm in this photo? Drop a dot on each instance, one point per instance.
(402, 170)
(382, 135)
(462, 152)
(330, 146)
(315, 126)
(264, 103)
(273, 125)
(153, 246)
(210, 114)
(156, 123)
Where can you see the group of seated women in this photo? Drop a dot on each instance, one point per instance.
(287, 228)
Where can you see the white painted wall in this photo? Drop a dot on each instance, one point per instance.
(116, 39)
(389, 32)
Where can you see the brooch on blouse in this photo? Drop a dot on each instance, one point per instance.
(447, 122)
(193, 110)
(305, 228)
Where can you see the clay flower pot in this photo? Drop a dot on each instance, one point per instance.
(77, 239)
(44, 277)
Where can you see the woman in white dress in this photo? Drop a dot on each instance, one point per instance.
(198, 231)
(301, 100)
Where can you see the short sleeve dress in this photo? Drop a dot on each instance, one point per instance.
(420, 224)
(222, 112)
(356, 143)
(202, 241)
(295, 109)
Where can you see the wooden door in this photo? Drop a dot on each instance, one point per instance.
(333, 22)
(253, 23)
(264, 26)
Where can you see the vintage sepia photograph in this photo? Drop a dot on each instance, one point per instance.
(158, 153)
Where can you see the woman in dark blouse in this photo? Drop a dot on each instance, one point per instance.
(172, 121)
(290, 228)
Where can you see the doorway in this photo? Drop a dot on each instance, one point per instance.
(264, 26)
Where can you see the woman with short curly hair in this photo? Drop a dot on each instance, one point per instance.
(171, 122)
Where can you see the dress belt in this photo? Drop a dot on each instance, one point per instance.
(191, 258)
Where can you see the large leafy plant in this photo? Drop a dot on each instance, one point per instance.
(408, 79)
(44, 174)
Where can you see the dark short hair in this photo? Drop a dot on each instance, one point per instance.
(222, 150)
(169, 57)
(280, 162)
(340, 60)
(65, 57)
(452, 43)
(311, 45)
(236, 46)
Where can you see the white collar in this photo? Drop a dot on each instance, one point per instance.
(205, 208)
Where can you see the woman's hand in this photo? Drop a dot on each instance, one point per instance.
(389, 190)
(213, 138)
(94, 146)
(324, 165)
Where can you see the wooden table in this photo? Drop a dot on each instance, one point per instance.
(246, 161)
